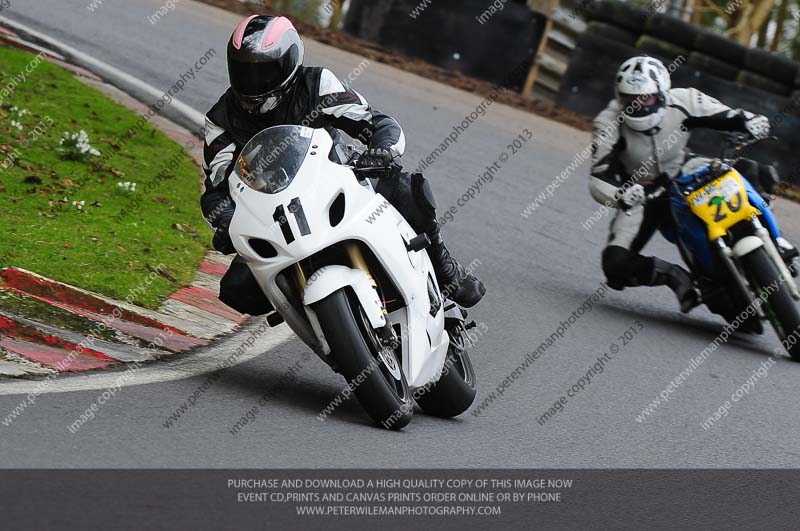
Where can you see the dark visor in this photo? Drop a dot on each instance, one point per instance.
(640, 104)
(258, 79)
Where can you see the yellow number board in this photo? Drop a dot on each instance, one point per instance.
(721, 204)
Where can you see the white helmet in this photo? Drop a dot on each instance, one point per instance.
(641, 90)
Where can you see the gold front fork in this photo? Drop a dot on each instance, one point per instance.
(300, 276)
(358, 261)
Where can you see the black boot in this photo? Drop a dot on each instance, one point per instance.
(679, 280)
(413, 197)
(455, 282)
(789, 253)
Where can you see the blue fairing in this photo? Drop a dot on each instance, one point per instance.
(694, 233)
(767, 217)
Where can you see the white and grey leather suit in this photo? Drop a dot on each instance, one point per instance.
(622, 157)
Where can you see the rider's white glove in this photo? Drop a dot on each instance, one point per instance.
(633, 196)
(758, 127)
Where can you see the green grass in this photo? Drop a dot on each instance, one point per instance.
(89, 248)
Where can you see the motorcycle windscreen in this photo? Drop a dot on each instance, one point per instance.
(272, 158)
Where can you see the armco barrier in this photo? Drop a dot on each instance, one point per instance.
(487, 49)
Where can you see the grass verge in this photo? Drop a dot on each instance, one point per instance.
(63, 212)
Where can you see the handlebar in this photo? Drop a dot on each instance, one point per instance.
(361, 173)
(376, 172)
(737, 143)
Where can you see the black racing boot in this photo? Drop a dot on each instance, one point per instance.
(455, 282)
(412, 195)
(789, 253)
(679, 280)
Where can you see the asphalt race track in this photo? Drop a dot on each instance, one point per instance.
(538, 270)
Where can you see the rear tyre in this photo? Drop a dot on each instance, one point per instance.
(720, 47)
(621, 14)
(712, 66)
(672, 29)
(757, 81)
(380, 389)
(772, 66)
(666, 51)
(588, 83)
(780, 306)
(456, 388)
(611, 32)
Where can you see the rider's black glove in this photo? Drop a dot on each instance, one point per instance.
(222, 239)
(378, 159)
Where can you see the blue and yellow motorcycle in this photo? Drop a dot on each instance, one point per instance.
(728, 237)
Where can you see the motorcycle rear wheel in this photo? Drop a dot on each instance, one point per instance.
(780, 307)
(355, 347)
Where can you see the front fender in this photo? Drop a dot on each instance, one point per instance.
(747, 245)
(329, 279)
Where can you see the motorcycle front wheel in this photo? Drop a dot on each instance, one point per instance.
(456, 388)
(780, 307)
(380, 389)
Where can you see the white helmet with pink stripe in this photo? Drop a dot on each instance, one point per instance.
(265, 55)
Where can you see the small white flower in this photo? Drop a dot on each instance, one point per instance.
(78, 146)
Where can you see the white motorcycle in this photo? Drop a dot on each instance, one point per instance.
(348, 274)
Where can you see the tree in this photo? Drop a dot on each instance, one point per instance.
(306, 10)
(748, 20)
(773, 23)
(336, 15)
